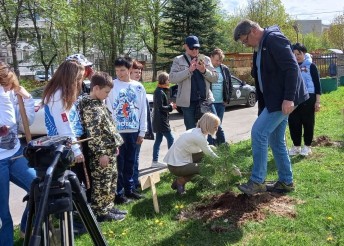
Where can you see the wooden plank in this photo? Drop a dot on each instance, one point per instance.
(145, 182)
(154, 194)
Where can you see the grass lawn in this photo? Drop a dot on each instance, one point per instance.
(312, 215)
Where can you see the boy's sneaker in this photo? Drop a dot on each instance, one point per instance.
(117, 211)
(280, 187)
(110, 217)
(158, 164)
(122, 200)
(295, 150)
(306, 150)
(134, 195)
(251, 188)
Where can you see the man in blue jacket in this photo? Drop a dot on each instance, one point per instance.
(280, 89)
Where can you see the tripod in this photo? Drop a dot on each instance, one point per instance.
(53, 193)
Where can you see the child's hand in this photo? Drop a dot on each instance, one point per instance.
(4, 130)
(117, 151)
(104, 161)
(174, 106)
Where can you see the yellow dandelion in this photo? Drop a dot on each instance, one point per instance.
(161, 224)
(157, 221)
(123, 233)
(329, 218)
(330, 238)
(176, 206)
(181, 206)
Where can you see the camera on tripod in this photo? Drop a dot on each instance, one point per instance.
(41, 151)
(55, 192)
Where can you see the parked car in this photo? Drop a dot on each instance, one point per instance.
(38, 126)
(40, 76)
(242, 93)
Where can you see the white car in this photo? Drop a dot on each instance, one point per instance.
(38, 126)
(40, 75)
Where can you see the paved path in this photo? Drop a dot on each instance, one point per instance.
(237, 125)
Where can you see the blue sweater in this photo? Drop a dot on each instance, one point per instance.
(280, 73)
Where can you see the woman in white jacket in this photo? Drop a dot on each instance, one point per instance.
(58, 98)
(12, 170)
(185, 154)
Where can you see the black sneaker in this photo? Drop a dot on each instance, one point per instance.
(134, 195)
(110, 217)
(117, 211)
(279, 187)
(122, 200)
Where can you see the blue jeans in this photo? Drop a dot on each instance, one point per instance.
(158, 140)
(189, 115)
(136, 166)
(125, 163)
(18, 172)
(269, 129)
(219, 110)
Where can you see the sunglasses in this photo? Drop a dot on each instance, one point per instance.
(194, 48)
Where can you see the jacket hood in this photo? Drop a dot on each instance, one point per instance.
(86, 101)
(271, 29)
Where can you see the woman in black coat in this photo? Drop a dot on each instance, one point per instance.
(160, 121)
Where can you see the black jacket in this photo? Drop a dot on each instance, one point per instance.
(161, 109)
(227, 83)
(280, 73)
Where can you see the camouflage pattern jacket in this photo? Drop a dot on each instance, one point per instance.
(98, 123)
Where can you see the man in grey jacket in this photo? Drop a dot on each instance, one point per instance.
(193, 74)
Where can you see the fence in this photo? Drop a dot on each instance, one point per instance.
(241, 63)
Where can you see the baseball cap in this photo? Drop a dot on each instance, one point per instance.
(192, 41)
(80, 58)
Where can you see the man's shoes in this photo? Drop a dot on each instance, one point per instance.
(180, 189)
(110, 217)
(122, 200)
(280, 187)
(306, 150)
(174, 185)
(295, 150)
(117, 211)
(251, 188)
(134, 195)
(158, 164)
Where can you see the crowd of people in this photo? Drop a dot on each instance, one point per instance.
(115, 115)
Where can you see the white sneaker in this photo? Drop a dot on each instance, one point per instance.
(295, 150)
(158, 164)
(306, 150)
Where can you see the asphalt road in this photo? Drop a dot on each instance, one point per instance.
(236, 124)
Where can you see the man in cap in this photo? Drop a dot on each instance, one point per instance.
(193, 74)
(80, 58)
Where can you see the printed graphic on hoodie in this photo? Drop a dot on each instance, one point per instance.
(126, 109)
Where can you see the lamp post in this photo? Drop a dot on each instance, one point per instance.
(296, 28)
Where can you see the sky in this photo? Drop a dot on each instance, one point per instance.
(325, 10)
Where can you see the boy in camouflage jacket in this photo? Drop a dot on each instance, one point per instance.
(98, 124)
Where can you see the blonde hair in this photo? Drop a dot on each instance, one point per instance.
(162, 78)
(218, 52)
(7, 76)
(209, 123)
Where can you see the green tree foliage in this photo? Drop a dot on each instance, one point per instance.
(50, 19)
(10, 12)
(336, 32)
(150, 31)
(189, 17)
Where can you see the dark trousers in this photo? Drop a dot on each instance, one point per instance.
(303, 117)
(125, 163)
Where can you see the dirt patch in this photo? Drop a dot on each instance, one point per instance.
(326, 141)
(238, 209)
